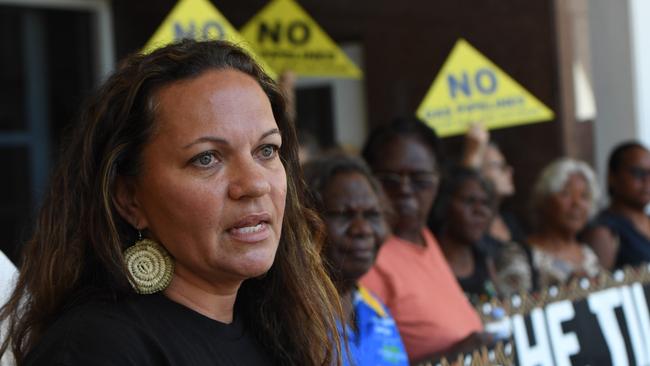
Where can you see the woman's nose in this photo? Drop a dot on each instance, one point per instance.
(405, 185)
(483, 209)
(247, 179)
(581, 201)
(359, 226)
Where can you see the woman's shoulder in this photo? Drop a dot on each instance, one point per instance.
(392, 252)
(366, 299)
(611, 220)
(97, 332)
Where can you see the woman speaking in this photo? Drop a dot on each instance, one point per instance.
(173, 232)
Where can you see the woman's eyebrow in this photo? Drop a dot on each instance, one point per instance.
(214, 139)
(270, 132)
(222, 141)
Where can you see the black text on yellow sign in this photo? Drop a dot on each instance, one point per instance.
(289, 39)
(201, 20)
(470, 88)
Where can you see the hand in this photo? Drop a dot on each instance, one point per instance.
(478, 133)
(476, 141)
(473, 342)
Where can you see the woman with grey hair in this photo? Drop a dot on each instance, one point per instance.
(563, 200)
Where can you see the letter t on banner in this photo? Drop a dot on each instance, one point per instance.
(565, 345)
(602, 304)
(540, 353)
(643, 318)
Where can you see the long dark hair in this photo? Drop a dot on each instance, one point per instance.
(79, 236)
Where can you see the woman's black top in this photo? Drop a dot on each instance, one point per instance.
(478, 286)
(144, 330)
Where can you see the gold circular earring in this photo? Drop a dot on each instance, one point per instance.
(149, 265)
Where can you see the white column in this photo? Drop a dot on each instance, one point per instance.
(620, 59)
(640, 40)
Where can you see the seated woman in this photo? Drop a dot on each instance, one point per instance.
(460, 219)
(620, 234)
(411, 275)
(348, 197)
(564, 198)
(505, 237)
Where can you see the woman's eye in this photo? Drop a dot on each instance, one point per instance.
(372, 214)
(205, 160)
(268, 151)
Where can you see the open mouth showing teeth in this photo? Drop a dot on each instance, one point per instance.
(249, 229)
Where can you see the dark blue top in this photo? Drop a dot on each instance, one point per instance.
(634, 247)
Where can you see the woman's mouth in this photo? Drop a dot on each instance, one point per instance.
(251, 228)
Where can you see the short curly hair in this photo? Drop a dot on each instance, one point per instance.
(554, 177)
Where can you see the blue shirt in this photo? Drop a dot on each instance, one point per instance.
(376, 341)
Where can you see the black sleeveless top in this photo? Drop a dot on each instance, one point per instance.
(478, 286)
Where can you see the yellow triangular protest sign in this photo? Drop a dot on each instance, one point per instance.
(289, 39)
(198, 19)
(470, 88)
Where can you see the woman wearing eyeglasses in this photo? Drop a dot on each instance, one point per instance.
(620, 235)
(410, 274)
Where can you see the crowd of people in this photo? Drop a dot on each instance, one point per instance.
(449, 238)
(181, 227)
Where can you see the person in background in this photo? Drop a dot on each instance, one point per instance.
(410, 274)
(504, 240)
(287, 85)
(174, 231)
(460, 218)
(348, 197)
(563, 199)
(620, 234)
(485, 156)
(308, 146)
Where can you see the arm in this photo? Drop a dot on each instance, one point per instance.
(476, 141)
(604, 243)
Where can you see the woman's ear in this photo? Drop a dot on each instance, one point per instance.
(126, 202)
